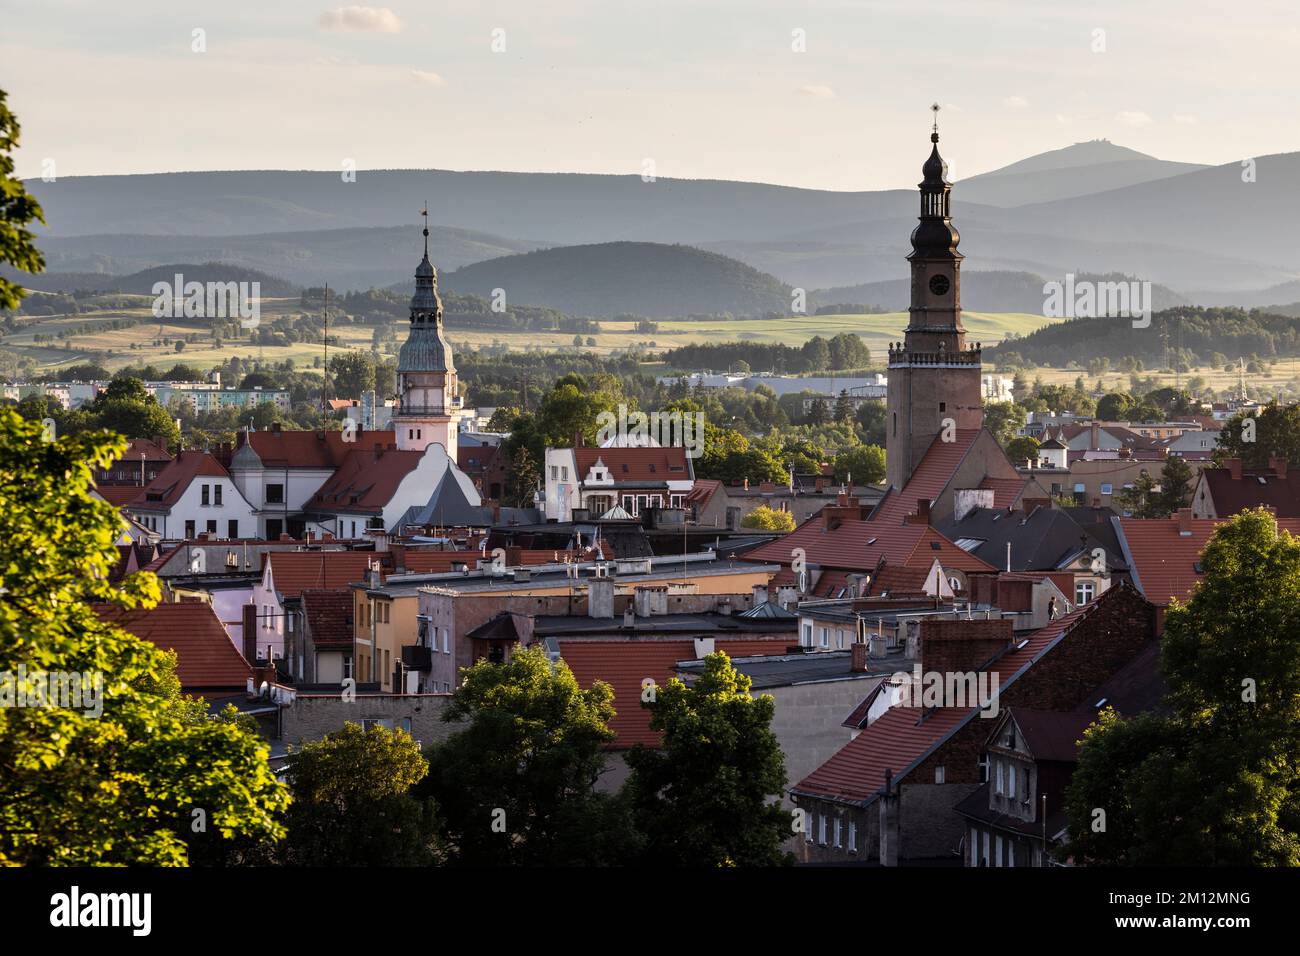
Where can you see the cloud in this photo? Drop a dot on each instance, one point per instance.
(357, 19)
(1185, 119)
(1015, 103)
(814, 90)
(428, 77)
(1133, 118)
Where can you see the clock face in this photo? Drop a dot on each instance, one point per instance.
(939, 284)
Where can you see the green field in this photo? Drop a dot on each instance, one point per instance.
(877, 330)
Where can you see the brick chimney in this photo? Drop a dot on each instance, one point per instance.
(949, 646)
(859, 665)
(1185, 522)
(250, 633)
(1094, 439)
(922, 515)
(1277, 465)
(1234, 468)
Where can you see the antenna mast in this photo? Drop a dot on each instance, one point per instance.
(325, 388)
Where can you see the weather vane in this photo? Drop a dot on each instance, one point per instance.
(934, 108)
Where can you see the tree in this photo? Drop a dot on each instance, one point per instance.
(18, 208)
(1143, 499)
(125, 787)
(710, 795)
(1175, 485)
(351, 374)
(871, 420)
(1274, 432)
(764, 518)
(1004, 420)
(1022, 449)
(864, 464)
(843, 407)
(352, 804)
(816, 353)
(516, 785)
(126, 407)
(1115, 407)
(1215, 782)
(818, 412)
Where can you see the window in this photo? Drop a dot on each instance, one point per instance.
(211, 526)
(275, 494)
(997, 786)
(839, 842)
(821, 828)
(1011, 852)
(825, 637)
(216, 495)
(1107, 487)
(203, 496)
(939, 774)
(807, 635)
(839, 636)
(974, 847)
(232, 529)
(943, 406)
(347, 666)
(984, 768)
(853, 835)
(1084, 592)
(555, 473)
(189, 529)
(446, 641)
(997, 856)
(1011, 780)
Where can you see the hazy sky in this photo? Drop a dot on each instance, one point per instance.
(704, 88)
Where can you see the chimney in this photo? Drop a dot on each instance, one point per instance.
(1185, 522)
(1234, 468)
(629, 617)
(760, 595)
(859, 665)
(1094, 440)
(922, 515)
(250, 633)
(600, 598)
(961, 646)
(160, 441)
(1277, 465)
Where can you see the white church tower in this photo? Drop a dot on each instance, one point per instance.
(428, 402)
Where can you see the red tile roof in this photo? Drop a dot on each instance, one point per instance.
(625, 663)
(118, 495)
(329, 617)
(366, 481)
(173, 480)
(1005, 490)
(319, 449)
(1051, 735)
(1252, 489)
(293, 572)
(929, 479)
(861, 545)
(704, 489)
(207, 658)
(902, 736)
(635, 464)
(1162, 561)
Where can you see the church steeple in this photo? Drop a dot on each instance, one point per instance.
(427, 394)
(934, 377)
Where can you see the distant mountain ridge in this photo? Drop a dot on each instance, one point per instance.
(638, 278)
(1094, 207)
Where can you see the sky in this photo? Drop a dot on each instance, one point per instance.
(815, 93)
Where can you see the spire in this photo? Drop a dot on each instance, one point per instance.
(935, 237)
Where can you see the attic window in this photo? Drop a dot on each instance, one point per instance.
(625, 468)
(872, 541)
(1196, 566)
(934, 545)
(1101, 703)
(652, 468)
(1021, 645)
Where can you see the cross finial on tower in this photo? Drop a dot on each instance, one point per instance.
(425, 213)
(934, 108)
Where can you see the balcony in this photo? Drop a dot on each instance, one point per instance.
(417, 658)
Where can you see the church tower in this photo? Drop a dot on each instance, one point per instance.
(934, 379)
(427, 397)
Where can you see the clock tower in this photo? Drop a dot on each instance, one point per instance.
(934, 378)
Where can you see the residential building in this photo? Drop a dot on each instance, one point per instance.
(1226, 491)
(193, 495)
(595, 481)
